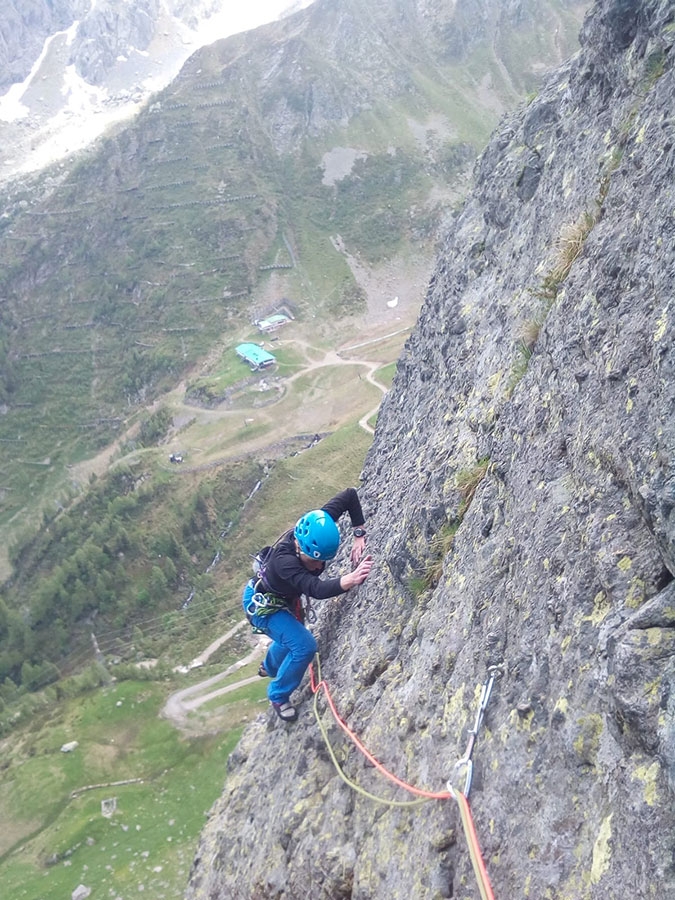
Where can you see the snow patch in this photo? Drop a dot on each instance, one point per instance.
(44, 135)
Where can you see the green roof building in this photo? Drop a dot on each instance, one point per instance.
(255, 356)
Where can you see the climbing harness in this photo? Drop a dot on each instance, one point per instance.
(466, 762)
(264, 604)
(460, 797)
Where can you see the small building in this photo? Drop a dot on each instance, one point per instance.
(255, 356)
(271, 323)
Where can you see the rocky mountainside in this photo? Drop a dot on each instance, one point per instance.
(69, 69)
(520, 496)
(105, 32)
(274, 160)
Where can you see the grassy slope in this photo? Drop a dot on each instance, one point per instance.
(65, 841)
(151, 839)
(118, 279)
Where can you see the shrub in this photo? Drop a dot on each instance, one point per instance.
(519, 367)
(441, 544)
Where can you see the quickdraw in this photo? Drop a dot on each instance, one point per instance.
(264, 604)
(477, 862)
(466, 762)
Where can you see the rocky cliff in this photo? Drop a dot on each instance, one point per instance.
(101, 31)
(24, 26)
(520, 496)
(71, 69)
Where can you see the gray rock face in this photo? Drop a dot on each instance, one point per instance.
(105, 30)
(110, 30)
(534, 411)
(24, 26)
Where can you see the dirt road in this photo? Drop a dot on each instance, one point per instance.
(181, 703)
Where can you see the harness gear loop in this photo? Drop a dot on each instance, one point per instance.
(464, 767)
(264, 603)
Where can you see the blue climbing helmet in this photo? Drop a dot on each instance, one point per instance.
(317, 534)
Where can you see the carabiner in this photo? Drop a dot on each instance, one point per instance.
(466, 761)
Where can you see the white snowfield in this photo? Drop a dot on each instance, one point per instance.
(55, 113)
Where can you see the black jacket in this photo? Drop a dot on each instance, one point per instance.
(284, 574)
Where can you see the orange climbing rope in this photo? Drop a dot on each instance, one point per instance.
(477, 862)
(316, 687)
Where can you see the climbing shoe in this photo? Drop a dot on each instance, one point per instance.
(285, 711)
(262, 671)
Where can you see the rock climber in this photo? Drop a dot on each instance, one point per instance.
(290, 568)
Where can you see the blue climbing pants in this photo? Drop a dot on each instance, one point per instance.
(291, 651)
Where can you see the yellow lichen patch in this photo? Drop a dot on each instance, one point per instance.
(602, 852)
(648, 776)
(587, 742)
(629, 405)
(453, 708)
(504, 733)
(653, 691)
(661, 326)
(654, 636)
(636, 593)
(561, 705)
(625, 563)
(522, 723)
(601, 609)
(493, 381)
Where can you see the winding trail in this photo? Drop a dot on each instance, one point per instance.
(181, 703)
(82, 471)
(331, 359)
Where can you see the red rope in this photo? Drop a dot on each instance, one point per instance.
(462, 802)
(431, 795)
(477, 861)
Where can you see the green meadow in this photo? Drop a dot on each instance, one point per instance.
(55, 835)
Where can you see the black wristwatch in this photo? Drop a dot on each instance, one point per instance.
(359, 532)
